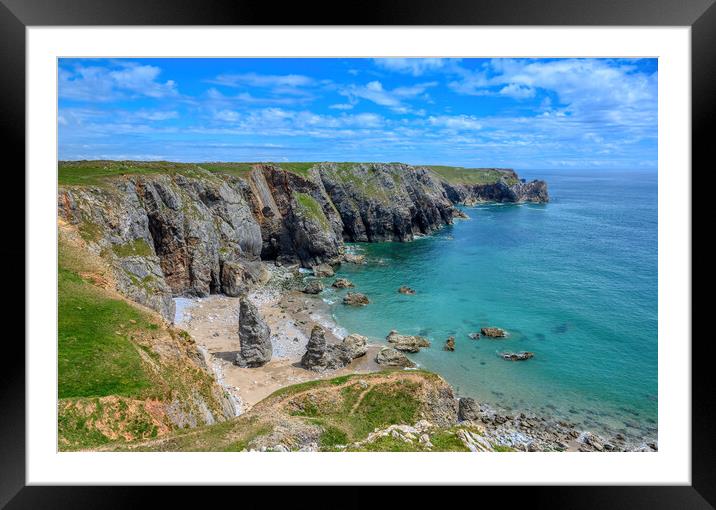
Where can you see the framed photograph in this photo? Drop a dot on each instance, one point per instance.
(440, 245)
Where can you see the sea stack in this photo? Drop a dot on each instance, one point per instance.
(254, 337)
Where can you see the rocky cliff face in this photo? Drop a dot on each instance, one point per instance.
(194, 232)
(385, 202)
(501, 191)
(168, 235)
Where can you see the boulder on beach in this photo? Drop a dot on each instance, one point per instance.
(321, 356)
(233, 279)
(517, 356)
(322, 270)
(342, 283)
(450, 343)
(474, 336)
(493, 332)
(392, 358)
(407, 343)
(313, 287)
(355, 299)
(468, 409)
(406, 290)
(356, 345)
(254, 337)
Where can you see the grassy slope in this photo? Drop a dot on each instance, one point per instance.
(345, 408)
(111, 381)
(95, 355)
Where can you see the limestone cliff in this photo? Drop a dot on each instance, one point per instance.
(186, 230)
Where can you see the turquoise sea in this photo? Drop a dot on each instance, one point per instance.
(574, 281)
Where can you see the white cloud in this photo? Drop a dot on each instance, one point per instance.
(394, 99)
(414, 66)
(156, 115)
(97, 83)
(455, 122)
(517, 91)
(341, 106)
(277, 85)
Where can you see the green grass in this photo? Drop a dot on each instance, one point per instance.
(312, 209)
(95, 173)
(447, 441)
(358, 412)
(240, 170)
(136, 247)
(460, 175)
(93, 360)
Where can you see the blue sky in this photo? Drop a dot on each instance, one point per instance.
(519, 113)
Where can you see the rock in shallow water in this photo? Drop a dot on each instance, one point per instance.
(517, 356)
(322, 270)
(406, 290)
(355, 299)
(450, 344)
(342, 283)
(392, 358)
(493, 332)
(354, 259)
(407, 343)
(254, 336)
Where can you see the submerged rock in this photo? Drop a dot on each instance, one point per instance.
(407, 343)
(254, 336)
(313, 287)
(392, 358)
(517, 356)
(355, 299)
(322, 270)
(493, 332)
(474, 336)
(342, 283)
(321, 356)
(406, 290)
(468, 409)
(450, 343)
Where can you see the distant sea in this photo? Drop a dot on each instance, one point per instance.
(574, 281)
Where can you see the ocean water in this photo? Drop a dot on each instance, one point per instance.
(574, 281)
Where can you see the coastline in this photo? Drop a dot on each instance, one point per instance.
(291, 314)
(213, 323)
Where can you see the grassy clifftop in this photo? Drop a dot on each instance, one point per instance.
(359, 412)
(95, 172)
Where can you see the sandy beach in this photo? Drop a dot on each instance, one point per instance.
(213, 322)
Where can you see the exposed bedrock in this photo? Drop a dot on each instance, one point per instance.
(385, 202)
(168, 235)
(193, 232)
(298, 221)
(502, 191)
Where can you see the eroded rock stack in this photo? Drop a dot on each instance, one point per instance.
(321, 356)
(254, 336)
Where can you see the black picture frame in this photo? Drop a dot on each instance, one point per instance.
(17, 15)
